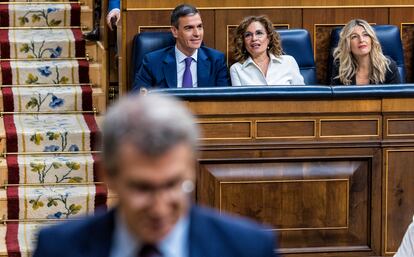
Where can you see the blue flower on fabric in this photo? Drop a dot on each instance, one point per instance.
(55, 53)
(73, 148)
(57, 215)
(56, 102)
(51, 148)
(49, 10)
(44, 71)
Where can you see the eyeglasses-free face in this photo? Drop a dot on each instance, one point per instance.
(360, 42)
(256, 39)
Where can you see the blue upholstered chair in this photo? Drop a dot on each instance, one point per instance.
(144, 43)
(390, 40)
(297, 43)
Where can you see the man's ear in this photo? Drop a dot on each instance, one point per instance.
(106, 178)
(174, 31)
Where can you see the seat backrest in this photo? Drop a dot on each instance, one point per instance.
(146, 42)
(297, 43)
(390, 40)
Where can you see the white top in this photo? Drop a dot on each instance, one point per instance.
(406, 248)
(282, 70)
(180, 59)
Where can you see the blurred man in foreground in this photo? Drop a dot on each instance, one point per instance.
(149, 159)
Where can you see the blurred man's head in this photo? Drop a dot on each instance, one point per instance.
(149, 158)
(187, 28)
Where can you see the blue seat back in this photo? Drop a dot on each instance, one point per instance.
(390, 40)
(144, 43)
(297, 43)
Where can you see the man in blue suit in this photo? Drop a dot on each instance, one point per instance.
(187, 64)
(149, 161)
(114, 13)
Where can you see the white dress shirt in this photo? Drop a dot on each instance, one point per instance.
(176, 244)
(282, 70)
(180, 59)
(406, 248)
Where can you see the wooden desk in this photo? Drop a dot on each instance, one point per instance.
(332, 177)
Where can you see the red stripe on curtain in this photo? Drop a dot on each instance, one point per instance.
(86, 98)
(6, 72)
(101, 197)
(79, 43)
(13, 202)
(13, 174)
(11, 134)
(83, 71)
(8, 100)
(97, 176)
(4, 15)
(12, 241)
(95, 134)
(75, 11)
(4, 44)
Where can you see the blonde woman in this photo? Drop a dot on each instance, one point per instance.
(260, 61)
(358, 58)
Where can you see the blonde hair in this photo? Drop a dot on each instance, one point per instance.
(348, 64)
(274, 47)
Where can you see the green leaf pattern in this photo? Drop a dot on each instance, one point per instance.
(62, 172)
(37, 16)
(55, 202)
(53, 133)
(46, 169)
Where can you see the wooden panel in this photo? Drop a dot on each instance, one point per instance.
(285, 129)
(249, 3)
(400, 127)
(226, 20)
(300, 197)
(319, 22)
(159, 28)
(399, 196)
(349, 128)
(404, 18)
(327, 201)
(264, 107)
(407, 37)
(225, 130)
(397, 105)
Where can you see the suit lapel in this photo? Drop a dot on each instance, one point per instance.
(201, 242)
(170, 68)
(203, 69)
(99, 243)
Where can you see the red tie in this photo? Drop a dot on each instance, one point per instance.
(149, 250)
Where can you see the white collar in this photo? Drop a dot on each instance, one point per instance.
(272, 59)
(172, 245)
(180, 56)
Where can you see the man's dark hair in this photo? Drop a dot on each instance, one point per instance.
(181, 11)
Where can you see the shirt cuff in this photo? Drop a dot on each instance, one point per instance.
(114, 10)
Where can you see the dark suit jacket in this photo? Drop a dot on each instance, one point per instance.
(112, 4)
(211, 235)
(392, 76)
(159, 69)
